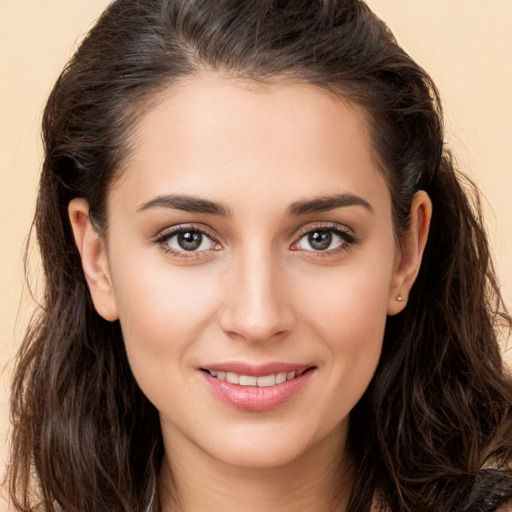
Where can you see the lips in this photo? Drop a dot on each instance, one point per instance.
(256, 388)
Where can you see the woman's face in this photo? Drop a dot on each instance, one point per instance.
(251, 260)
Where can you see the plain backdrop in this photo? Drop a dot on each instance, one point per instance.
(466, 45)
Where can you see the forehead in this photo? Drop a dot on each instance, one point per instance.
(204, 104)
(225, 136)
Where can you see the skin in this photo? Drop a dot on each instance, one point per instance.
(257, 290)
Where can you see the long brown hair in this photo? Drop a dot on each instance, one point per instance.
(433, 432)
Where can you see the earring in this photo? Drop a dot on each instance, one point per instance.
(400, 298)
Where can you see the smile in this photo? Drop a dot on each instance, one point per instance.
(252, 380)
(257, 393)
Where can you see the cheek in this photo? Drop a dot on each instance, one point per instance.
(351, 298)
(348, 314)
(162, 311)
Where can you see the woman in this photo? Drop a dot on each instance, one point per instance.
(267, 287)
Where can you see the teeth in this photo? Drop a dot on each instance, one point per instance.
(233, 378)
(266, 381)
(250, 380)
(280, 378)
(246, 380)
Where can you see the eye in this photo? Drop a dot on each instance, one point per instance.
(325, 239)
(189, 241)
(186, 242)
(320, 240)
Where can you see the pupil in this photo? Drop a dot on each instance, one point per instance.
(320, 240)
(189, 240)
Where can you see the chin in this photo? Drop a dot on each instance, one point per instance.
(273, 447)
(259, 455)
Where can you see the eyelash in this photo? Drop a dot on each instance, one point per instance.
(164, 238)
(347, 238)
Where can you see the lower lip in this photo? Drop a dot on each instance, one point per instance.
(254, 398)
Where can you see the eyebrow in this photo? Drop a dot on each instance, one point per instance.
(186, 203)
(326, 203)
(195, 204)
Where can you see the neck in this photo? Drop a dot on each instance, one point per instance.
(318, 482)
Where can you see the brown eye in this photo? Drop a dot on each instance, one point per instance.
(326, 240)
(188, 240)
(320, 240)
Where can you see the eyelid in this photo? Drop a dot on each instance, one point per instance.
(167, 233)
(349, 239)
(326, 226)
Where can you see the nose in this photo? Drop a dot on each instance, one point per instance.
(258, 305)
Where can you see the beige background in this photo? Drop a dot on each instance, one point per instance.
(465, 44)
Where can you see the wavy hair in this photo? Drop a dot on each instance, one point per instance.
(433, 432)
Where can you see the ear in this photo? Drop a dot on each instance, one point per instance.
(91, 247)
(410, 252)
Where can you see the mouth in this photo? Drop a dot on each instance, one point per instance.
(257, 389)
(260, 381)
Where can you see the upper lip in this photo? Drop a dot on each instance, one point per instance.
(256, 370)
